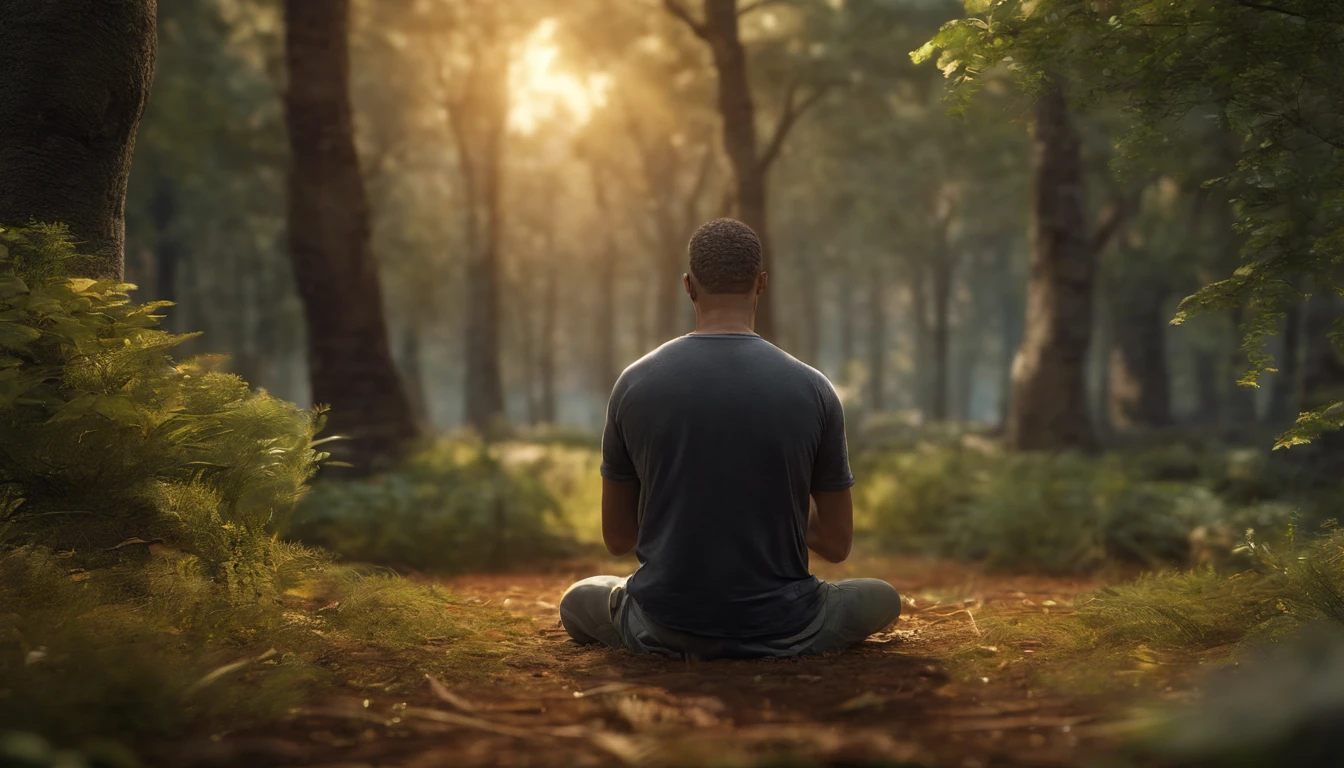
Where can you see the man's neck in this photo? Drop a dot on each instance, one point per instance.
(731, 319)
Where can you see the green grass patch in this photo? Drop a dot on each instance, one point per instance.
(1124, 635)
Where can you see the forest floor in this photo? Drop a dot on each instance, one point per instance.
(903, 697)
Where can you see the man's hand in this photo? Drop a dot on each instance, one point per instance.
(830, 525)
(620, 516)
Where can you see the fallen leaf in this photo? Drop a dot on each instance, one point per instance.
(865, 700)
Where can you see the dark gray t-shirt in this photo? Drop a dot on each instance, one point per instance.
(727, 436)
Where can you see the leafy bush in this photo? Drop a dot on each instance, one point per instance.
(108, 447)
(455, 505)
(142, 588)
(964, 497)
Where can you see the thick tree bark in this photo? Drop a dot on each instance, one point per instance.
(76, 79)
(1138, 387)
(877, 340)
(1049, 407)
(349, 362)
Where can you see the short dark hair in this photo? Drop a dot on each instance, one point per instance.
(725, 256)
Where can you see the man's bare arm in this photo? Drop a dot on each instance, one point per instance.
(620, 516)
(830, 525)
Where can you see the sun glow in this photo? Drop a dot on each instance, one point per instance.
(542, 92)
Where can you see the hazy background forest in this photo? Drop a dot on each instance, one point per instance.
(899, 232)
(308, 491)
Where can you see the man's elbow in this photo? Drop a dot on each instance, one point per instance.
(619, 546)
(835, 554)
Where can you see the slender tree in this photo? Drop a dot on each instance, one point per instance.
(478, 114)
(720, 29)
(349, 361)
(76, 79)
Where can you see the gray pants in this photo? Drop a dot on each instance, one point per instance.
(598, 610)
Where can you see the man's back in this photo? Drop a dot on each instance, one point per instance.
(728, 436)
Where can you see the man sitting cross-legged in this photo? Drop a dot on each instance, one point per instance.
(713, 444)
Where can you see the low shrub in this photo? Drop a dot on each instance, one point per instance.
(1068, 513)
(142, 586)
(455, 505)
(108, 447)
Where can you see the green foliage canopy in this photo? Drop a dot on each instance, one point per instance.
(1266, 72)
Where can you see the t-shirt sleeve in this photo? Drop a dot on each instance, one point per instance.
(616, 463)
(830, 471)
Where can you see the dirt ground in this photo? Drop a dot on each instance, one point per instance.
(893, 701)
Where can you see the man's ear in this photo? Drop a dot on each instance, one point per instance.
(762, 280)
(690, 286)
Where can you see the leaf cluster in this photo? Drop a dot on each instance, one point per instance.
(1263, 74)
(109, 447)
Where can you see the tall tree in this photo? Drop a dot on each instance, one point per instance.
(479, 113)
(1138, 390)
(350, 364)
(720, 29)
(76, 79)
(1049, 398)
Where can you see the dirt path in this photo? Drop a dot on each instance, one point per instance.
(891, 701)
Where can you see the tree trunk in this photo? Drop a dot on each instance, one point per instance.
(479, 122)
(845, 306)
(76, 79)
(941, 340)
(604, 364)
(671, 292)
(1285, 391)
(738, 112)
(350, 364)
(811, 299)
(413, 369)
(550, 409)
(1049, 407)
(1239, 415)
(922, 330)
(1011, 319)
(1138, 388)
(877, 341)
(1323, 372)
(1322, 383)
(168, 251)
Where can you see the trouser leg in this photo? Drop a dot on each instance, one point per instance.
(854, 610)
(585, 611)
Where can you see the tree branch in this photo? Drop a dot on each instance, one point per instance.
(675, 8)
(691, 203)
(757, 5)
(788, 118)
